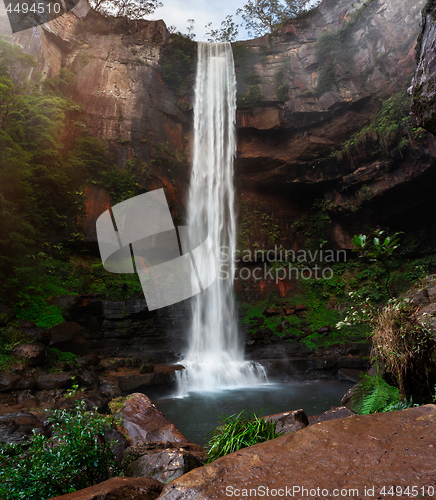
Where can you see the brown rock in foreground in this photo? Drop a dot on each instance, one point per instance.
(119, 488)
(384, 449)
(143, 422)
(289, 421)
(162, 461)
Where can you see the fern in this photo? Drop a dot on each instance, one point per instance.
(401, 405)
(374, 395)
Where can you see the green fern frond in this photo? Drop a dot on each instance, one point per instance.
(373, 395)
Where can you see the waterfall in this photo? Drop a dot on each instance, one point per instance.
(215, 358)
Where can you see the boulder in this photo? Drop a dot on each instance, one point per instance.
(382, 449)
(93, 399)
(133, 379)
(289, 421)
(332, 414)
(7, 400)
(26, 398)
(87, 378)
(162, 461)
(349, 374)
(142, 421)
(118, 488)
(35, 354)
(8, 381)
(14, 381)
(271, 311)
(110, 388)
(6, 314)
(37, 334)
(25, 382)
(19, 426)
(347, 399)
(49, 381)
(68, 336)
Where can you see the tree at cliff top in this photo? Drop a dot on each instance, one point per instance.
(265, 16)
(133, 9)
(227, 33)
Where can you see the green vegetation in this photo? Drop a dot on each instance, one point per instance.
(335, 48)
(261, 17)
(227, 33)
(375, 395)
(282, 86)
(128, 8)
(178, 66)
(249, 99)
(75, 457)
(380, 250)
(47, 157)
(391, 128)
(239, 431)
(41, 314)
(62, 356)
(405, 349)
(248, 92)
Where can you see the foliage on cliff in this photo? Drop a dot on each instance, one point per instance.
(133, 9)
(46, 158)
(265, 16)
(177, 66)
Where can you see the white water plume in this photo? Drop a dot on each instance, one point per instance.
(215, 358)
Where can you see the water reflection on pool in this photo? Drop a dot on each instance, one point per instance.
(198, 413)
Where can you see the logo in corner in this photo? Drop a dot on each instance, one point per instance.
(25, 14)
(173, 263)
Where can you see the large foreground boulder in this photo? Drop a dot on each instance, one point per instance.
(141, 421)
(162, 461)
(119, 488)
(380, 450)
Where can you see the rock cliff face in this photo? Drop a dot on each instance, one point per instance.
(117, 80)
(336, 66)
(424, 79)
(303, 92)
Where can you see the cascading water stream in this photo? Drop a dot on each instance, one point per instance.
(215, 358)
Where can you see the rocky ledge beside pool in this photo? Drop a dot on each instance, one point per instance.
(372, 456)
(356, 454)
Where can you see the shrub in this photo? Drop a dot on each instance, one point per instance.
(43, 315)
(239, 431)
(63, 356)
(404, 348)
(374, 395)
(77, 456)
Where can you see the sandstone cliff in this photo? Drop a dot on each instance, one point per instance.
(303, 92)
(423, 83)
